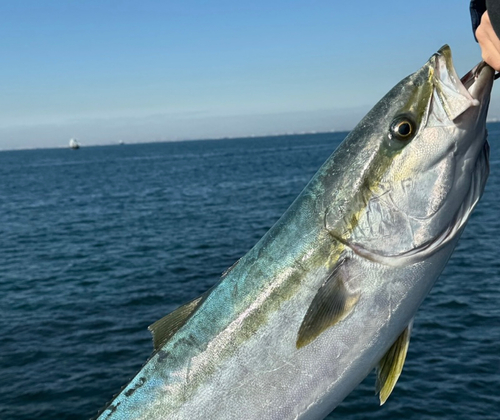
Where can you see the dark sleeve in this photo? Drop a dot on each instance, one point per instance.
(477, 8)
(493, 7)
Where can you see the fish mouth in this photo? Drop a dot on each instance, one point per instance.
(457, 95)
(479, 81)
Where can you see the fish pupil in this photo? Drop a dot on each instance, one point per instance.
(404, 129)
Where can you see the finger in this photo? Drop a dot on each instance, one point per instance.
(489, 42)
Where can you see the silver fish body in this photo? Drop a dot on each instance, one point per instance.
(330, 292)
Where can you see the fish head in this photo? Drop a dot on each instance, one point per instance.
(431, 162)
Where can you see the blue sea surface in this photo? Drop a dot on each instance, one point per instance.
(97, 244)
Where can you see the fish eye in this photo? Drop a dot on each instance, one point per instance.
(402, 128)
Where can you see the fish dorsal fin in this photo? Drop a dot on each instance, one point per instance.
(332, 303)
(391, 365)
(226, 272)
(166, 327)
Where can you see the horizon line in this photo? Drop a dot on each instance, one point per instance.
(119, 143)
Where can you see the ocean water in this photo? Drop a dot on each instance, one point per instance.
(97, 244)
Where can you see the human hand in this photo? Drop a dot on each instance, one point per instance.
(489, 42)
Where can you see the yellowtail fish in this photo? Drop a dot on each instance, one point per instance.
(330, 292)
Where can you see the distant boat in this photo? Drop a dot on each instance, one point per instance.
(73, 144)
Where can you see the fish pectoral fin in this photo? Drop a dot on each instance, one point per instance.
(333, 302)
(167, 326)
(391, 365)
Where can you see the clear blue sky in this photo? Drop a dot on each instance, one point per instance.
(104, 71)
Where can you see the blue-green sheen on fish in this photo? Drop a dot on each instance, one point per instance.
(330, 292)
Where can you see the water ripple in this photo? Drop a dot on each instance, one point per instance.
(99, 243)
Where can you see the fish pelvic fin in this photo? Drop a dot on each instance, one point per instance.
(332, 303)
(163, 329)
(391, 365)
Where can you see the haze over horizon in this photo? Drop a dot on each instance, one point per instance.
(109, 71)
